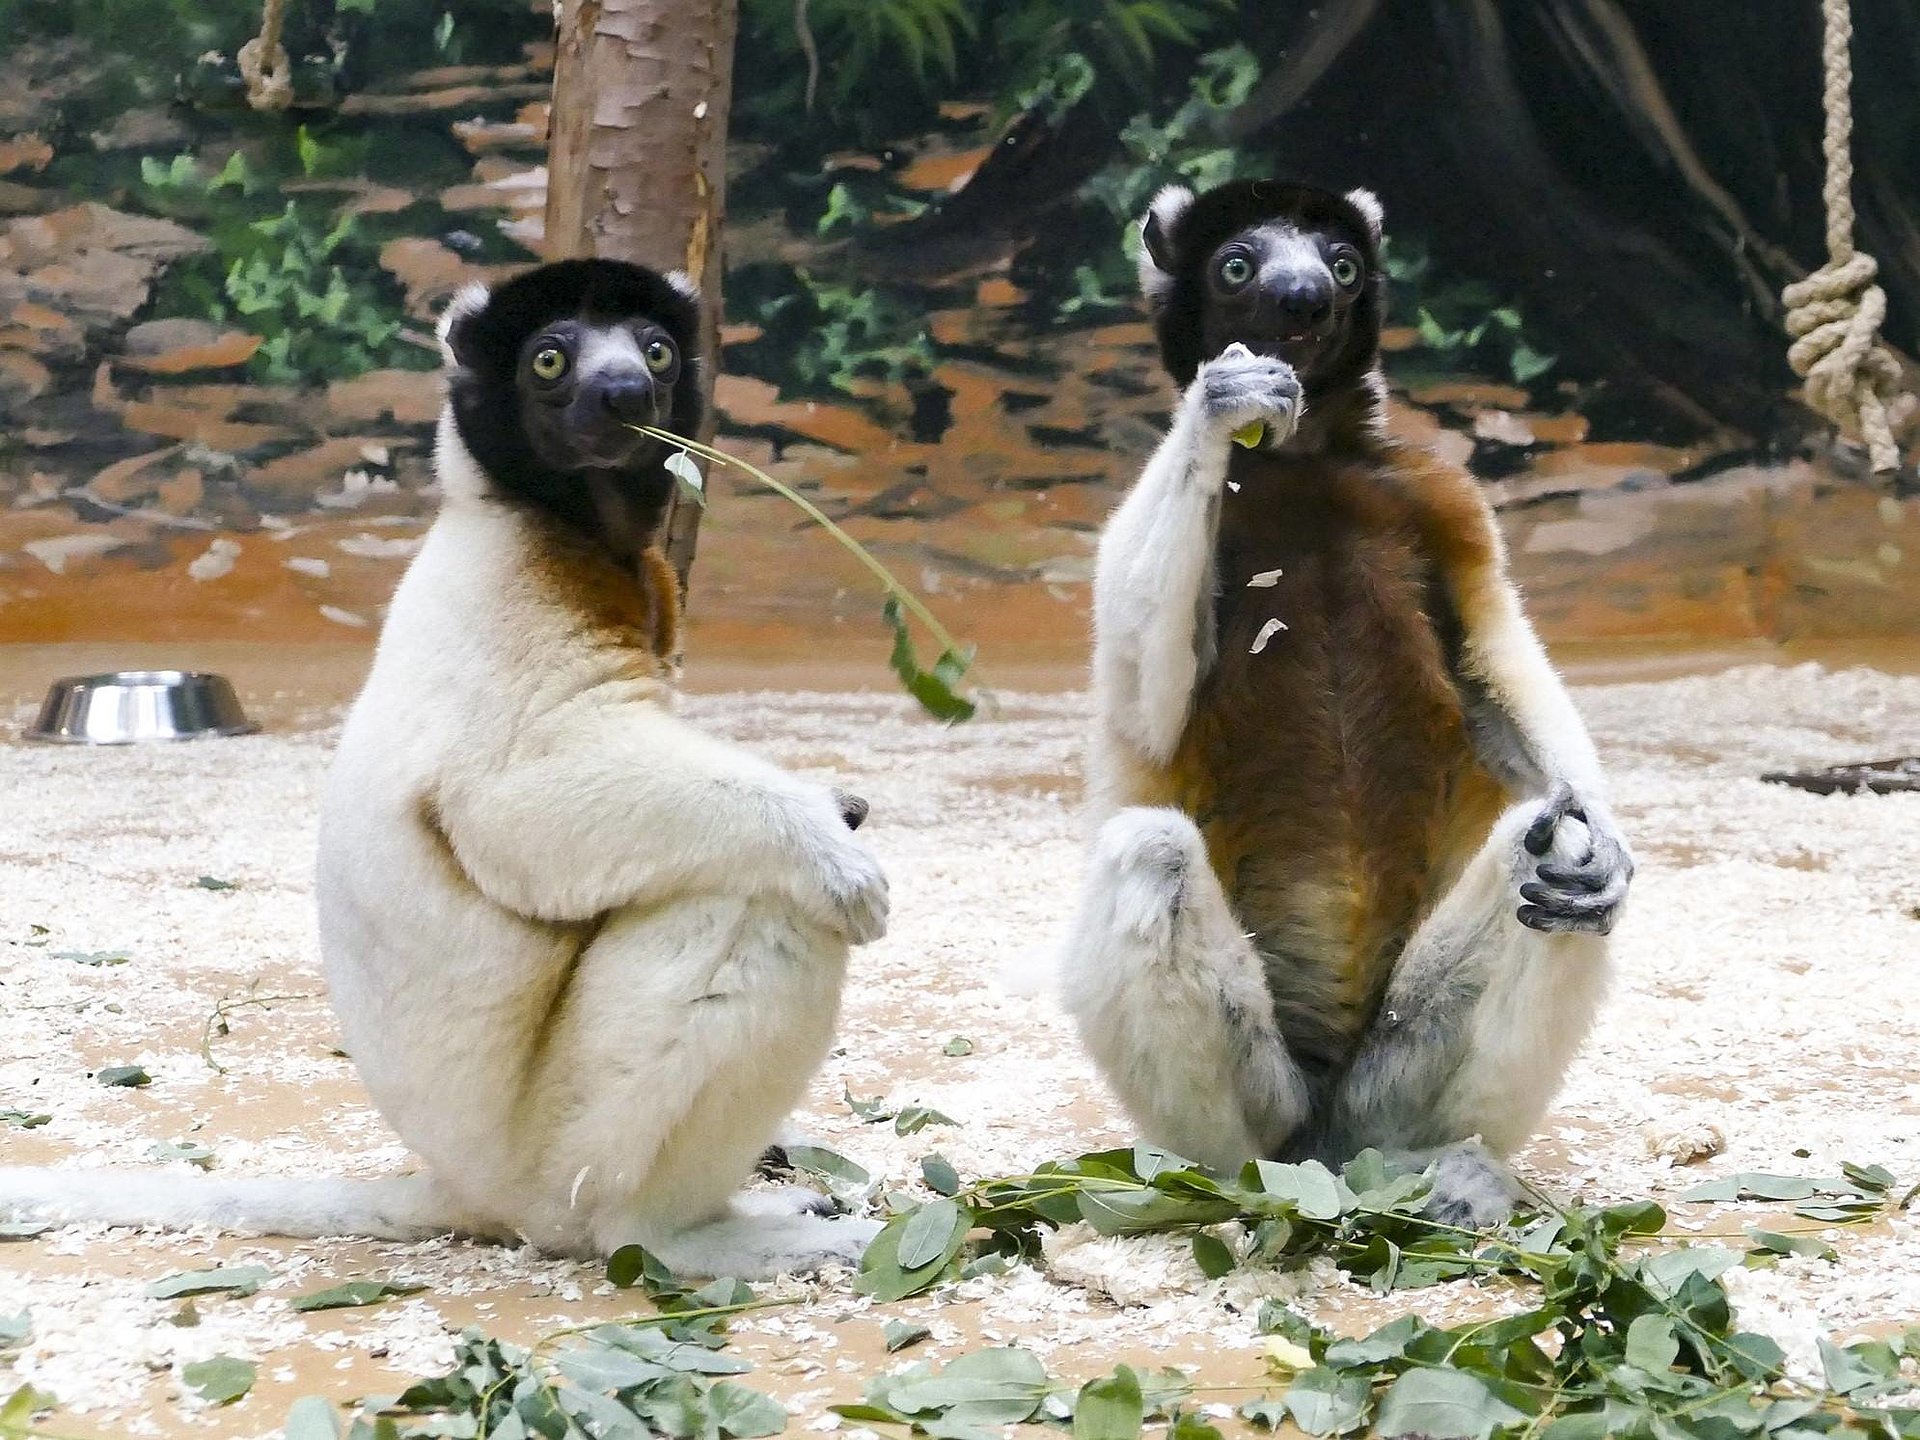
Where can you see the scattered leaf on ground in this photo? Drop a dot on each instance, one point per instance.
(898, 1333)
(353, 1293)
(220, 1380)
(227, 1280)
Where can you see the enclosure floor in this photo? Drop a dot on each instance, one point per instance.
(1768, 988)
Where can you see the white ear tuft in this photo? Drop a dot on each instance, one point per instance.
(1156, 240)
(685, 284)
(1368, 204)
(468, 300)
(1169, 205)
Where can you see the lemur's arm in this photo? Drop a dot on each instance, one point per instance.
(1153, 586)
(1523, 724)
(600, 805)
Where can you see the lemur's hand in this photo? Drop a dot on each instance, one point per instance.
(1237, 388)
(841, 881)
(1585, 867)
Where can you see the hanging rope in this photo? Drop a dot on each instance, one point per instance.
(1834, 315)
(264, 63)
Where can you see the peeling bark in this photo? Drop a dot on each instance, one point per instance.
(637, 158)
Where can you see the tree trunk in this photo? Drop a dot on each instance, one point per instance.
(637, 158)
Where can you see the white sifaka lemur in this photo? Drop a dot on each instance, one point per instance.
(1354, 864)
(584, 956)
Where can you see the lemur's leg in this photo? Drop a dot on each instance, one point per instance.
(1153, 587)
(1479, 1022)
(687, 1035)
(1171, 999)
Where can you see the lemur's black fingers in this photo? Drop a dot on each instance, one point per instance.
(853, 809)
(1589, 874)
(1573, 902)
(1559, 804)
(1573, 910)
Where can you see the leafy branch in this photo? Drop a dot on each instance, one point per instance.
(935, 688)
(1624, 1339)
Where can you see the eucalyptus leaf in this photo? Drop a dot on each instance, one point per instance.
(1323, 1401)
(940, 1175)
(237, 1280)
(124, 1076)
(209, 882)
(935, 689)
(915, 1118)
(1310, 1185)
(311, 1418)
(1754, 1186)
(828, 1164)
(901, 1335)
(1109, 1408)
(1652, 1344)
(1443, 1405)
(220, 1380)
(24, 1229)
(929, 1232)
(24, 1119)
(872, 1111)
(1770, 1244)
(743, 1413)
(957, 1046)
(1212, 1255)
(353, 1293)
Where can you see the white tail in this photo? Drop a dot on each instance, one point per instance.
(406, 1207)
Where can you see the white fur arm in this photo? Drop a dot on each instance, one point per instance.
(1545, 740)
(596, 806)
(1153, 586)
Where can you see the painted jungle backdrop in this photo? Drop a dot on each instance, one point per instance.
(215, 325)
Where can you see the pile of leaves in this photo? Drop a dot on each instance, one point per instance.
(1620, 1337)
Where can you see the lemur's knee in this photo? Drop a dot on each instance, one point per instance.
(1144, 858)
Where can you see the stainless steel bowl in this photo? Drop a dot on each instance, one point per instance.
(129, 706)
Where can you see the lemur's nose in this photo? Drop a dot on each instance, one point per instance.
(1307, 299)
(628, 398)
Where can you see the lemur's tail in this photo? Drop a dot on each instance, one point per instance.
(405, 1207)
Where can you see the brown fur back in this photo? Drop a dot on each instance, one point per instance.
(1331, 773)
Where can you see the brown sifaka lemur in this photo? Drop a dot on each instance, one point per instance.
(1355, 866)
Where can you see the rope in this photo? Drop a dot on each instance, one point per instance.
(264, 63)
(1834, 315)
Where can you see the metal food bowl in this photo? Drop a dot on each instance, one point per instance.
(130, 706)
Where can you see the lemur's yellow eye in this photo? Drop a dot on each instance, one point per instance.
(659, 356)
(1236, 270)
(549, 362)
(1346, 271)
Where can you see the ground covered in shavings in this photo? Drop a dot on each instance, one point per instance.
(1764, 1023)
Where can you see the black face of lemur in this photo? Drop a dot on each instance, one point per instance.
(554, 367)
(1286, 270)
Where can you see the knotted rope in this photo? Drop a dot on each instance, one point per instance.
(1834, 315)
(264, 63)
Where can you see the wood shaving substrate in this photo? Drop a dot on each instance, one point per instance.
(1763, 1021)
